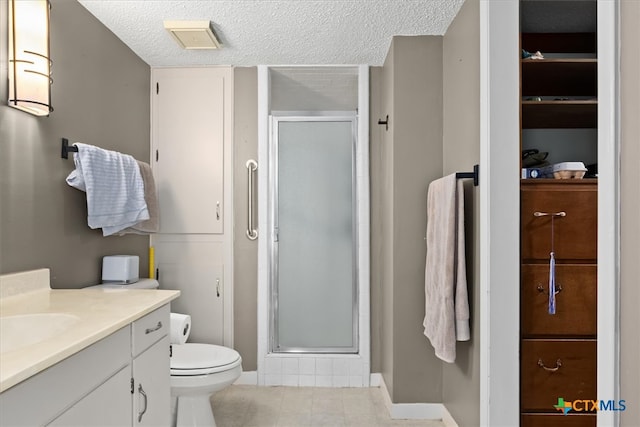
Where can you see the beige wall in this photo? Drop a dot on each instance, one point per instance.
(461, 142)
(245, 251)
(101, 97)
(630, 211)
(404, 160)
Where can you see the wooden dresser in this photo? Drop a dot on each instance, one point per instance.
(558, 351)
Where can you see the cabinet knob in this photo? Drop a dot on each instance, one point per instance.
(542, 289)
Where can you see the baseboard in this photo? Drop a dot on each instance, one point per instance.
(247, 378)
(413, 411)
(376, 379)
(447, 419)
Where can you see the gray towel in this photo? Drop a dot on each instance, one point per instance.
(446, 300)
(151, 225)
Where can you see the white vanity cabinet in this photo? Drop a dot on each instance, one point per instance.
(150, 352)
(98, 386)
(107, 405)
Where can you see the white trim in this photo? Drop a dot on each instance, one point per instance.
(265, 233)
(498, 322)
(227, 297)
(608, 212)
(375, 379)
(413, 411)
(247, 378)
(499, 207)
(270, 366)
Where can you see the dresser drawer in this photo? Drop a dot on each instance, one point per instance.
(575, 234)
(558, 420)
(576, 300)
(149, 329)
(551, 369)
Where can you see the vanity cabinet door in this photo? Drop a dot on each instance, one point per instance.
(151, 396)
(108, 405)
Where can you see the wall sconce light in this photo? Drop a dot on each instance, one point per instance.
(29, 62)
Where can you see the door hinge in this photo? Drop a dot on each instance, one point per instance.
(158, 274)
(132, 387)
(276, 234)
(157, 87)
(157, 155)
(170, 350)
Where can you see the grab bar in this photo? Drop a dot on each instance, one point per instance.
(252, 166)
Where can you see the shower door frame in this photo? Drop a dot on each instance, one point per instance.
(275, 119)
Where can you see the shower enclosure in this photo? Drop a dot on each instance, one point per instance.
(313, 217)
(313, 273)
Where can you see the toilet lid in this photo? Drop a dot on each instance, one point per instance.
(201, 359)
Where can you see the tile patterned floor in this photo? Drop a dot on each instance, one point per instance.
(252, 406)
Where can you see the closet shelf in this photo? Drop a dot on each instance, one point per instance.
(559, 114)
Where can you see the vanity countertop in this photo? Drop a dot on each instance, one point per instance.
(100, 312)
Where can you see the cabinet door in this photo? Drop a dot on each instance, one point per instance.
(188, 133)
(107, 405)
(195, 269)
(151, 396)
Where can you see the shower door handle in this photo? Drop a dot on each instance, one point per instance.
(252, 166)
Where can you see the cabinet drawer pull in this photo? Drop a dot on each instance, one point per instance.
(142, 392)
(548, 369)
(550, 213)
(149, 330)
(542, 290)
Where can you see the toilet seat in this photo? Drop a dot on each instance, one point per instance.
(202, 359)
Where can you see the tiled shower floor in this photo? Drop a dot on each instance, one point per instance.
(241, 405)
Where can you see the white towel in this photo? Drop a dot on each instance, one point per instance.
(446, 300)
(114, 187)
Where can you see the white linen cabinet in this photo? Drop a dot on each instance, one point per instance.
(191, 157)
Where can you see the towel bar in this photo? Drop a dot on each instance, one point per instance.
(475, 175)
(66, 148)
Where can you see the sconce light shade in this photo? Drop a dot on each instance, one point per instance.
(29, 62)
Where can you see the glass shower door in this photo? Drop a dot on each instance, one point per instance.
(314, 281)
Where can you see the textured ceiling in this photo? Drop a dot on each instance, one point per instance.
(271, 32)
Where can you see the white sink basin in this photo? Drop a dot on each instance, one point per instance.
(20, 331)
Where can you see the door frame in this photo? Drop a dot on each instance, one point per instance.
(499, 204)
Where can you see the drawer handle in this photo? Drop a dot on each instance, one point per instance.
(548, 369)
(542, 290)
(550, 213)
(149, 330)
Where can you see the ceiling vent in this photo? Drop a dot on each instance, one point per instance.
(193, 34)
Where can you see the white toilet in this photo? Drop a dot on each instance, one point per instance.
(197, 371)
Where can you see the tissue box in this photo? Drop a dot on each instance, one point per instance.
(120, 269)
